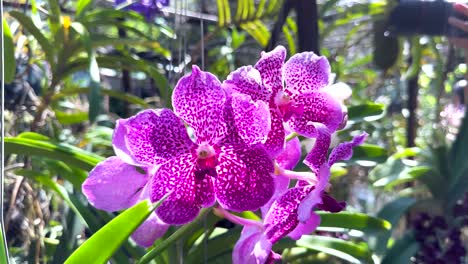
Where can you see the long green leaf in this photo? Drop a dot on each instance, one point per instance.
(458, 157)
(356, 221)
(9, 65)
(63, 152)
(112, 93)
(349, 251)
(3, 247)
(81, 5)
(392, 212)
(402, 250)
(102, 245)
(45, 44)
(94, 95)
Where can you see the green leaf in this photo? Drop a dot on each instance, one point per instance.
(9, 65)
(368, 152)
(356, 221)
(407, 174)
(104, 243)
(216, 246)
(366, 112)
(392, 212)
(457, 160)
(402, 250)
(71, 118)
(94, 95)
(81, 5)
(347, 250)
(3, 247)
(63, 152)
(45, 44)
(33, 135)
(112, 93)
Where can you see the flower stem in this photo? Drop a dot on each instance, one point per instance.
(291, 136)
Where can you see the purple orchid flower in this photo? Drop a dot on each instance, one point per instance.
(148, 8)
(114, 185)
(292, 214)
(226, 163)
(301, 101)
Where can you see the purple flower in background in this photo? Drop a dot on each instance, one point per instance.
(301, 101)
(226, 163)
(114, 185)
(148, 8)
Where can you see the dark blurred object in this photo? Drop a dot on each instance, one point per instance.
(386, 46)
(424, 18)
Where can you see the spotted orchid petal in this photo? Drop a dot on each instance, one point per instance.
(282, 217)
(318, 155)
(252, 247)
(291, 155)
(149, 231)
(247, 80)
(314, 197)
(317, 107)
(306, 72)
(152, 228)
(114, 185)
(269, 66)
(199, 100)
(244, 180)
(344, 151)
(150, 137)
(190, 191)
(252, 119)
(275, 141)
(305, 228)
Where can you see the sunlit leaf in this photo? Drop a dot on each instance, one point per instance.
(356, 221)
(66, 153)
(102, 245)
(9, 65)
(366, 112)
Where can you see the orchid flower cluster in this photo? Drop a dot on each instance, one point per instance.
(232, 145)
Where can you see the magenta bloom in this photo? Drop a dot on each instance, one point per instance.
(295, 92)
(225, 162)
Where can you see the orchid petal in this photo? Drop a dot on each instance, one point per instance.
(305, 228)
(275, 141)
(189, 192)
(306, 72)
(150, 230)
(252, 247)
(281, 186)
(252, 119)
(291, 155)
(113, 185)
(199, 100)
(282, 217)
(340, 91)
(247, 80)
(269, 66)
(317, 107)
(344, 151)
(318, 156)
(329, 204)
(315, 196)
(151, 137)
(244, 180)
